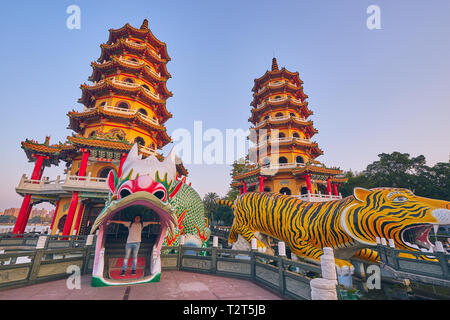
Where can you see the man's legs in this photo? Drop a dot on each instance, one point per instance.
(135, 257)
(127, 256)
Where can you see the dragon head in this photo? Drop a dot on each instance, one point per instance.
(144, 187)
(394, 213)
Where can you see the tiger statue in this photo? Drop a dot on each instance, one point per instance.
(350, 226)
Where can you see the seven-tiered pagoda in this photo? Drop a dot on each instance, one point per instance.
(284, 153)
(124, 104)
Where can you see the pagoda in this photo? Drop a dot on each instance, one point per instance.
(284, 156)
(124, 104)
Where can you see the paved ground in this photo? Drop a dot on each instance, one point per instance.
(174, 285)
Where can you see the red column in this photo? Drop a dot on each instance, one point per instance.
(122, 160)
(261, 184)
(308, 183)
(83, 165)
(25, 208)
(240, 190)
(54, 215)
(74, 201)
(245, 188)
(335, 189)
(329, 186)
(80, 214)
(38, 167)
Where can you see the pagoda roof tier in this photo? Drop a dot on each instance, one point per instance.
(53, 153)
(274, 74)
(134, 116)
(339, 179)
(282, 87)
(287, 121)
(143, 33)
(305, 144)
(104, 142)
(317, 170)
(110, 84)
(118, 64)
(279, 104)
(135, 92)
(125, 46)
(294, 168)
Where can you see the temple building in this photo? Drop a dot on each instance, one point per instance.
(283, 159)
(124, 104)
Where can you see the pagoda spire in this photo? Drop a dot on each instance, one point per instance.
(274, 64)
(144, 24)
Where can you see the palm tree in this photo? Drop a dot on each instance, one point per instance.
(210, 203)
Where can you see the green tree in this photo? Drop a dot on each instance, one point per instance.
(210, 204)
(399, 170)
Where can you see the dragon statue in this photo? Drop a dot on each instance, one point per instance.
(153, 185)
(350, 226)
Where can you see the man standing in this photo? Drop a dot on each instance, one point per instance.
(133, 241)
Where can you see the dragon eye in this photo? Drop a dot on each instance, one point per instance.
(124, 192)
(400, 199)
(160, 194)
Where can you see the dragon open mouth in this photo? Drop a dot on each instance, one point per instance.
(146, 202)
(146, 205)
(417, 237)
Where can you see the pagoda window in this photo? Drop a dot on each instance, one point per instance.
(279, 115)
(103, 104)
(143, 111)
(282, 160)
(266, 189)
(103, 173)
(123, 105)
(266, 117)
(278, 97)
(292, 114)
(251, 189)
(285, 191)
(153, 146)
(129, 80)
(281, 135)
(134, 60)
(146, 87)
(140, 141)
(304, 190)
(299, 159)
(296, 135)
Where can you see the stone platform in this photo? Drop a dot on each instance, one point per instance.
(174, 285)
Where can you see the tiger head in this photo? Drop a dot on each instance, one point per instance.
(396, 214)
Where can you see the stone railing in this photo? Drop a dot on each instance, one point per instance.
(279, 119)
(154, 95)
(58, 186)
(131, 111)
(422, 266)
(153, 71)
(136, 63)
(277, 166)
(317, 197)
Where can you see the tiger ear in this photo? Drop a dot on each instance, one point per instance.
(361, 194)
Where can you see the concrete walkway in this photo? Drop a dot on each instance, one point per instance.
(174, 285)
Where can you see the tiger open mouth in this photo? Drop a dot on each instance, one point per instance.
(417, 237)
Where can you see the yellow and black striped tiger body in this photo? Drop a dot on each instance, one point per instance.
(350, 225)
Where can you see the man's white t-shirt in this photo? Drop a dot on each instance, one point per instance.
(135, 230)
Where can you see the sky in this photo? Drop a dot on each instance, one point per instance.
(371, 91)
